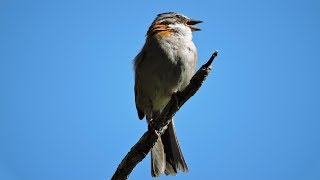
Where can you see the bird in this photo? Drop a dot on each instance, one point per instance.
(164, 66)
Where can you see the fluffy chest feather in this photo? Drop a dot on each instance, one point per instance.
(167, 64)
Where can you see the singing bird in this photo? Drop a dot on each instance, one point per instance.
(164, 66)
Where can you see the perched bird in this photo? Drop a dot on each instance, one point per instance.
(164, 66)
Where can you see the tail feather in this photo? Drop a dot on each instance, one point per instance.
(166, 155)
(157, 159)
(174, 156)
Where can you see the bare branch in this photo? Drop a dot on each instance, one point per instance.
(140, 150)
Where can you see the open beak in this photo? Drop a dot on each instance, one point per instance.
(191, 23)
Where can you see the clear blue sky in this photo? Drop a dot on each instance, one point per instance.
(67, 104)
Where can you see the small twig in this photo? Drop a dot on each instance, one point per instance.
(140, 150)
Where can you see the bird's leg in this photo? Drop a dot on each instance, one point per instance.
(151, 120)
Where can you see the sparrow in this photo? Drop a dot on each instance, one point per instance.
(164, 66)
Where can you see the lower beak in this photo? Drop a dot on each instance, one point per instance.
(191, 23)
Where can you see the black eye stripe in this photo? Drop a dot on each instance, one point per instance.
(168, 17)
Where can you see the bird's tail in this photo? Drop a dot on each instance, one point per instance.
(166, 155)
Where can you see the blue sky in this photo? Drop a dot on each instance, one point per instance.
(67, 104)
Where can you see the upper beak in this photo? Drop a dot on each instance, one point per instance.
(193, 22)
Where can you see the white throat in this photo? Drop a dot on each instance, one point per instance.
(182, 30)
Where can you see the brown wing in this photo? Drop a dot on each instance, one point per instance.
(137, 61)
(140, 112)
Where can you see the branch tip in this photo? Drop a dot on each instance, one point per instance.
(214, 55)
